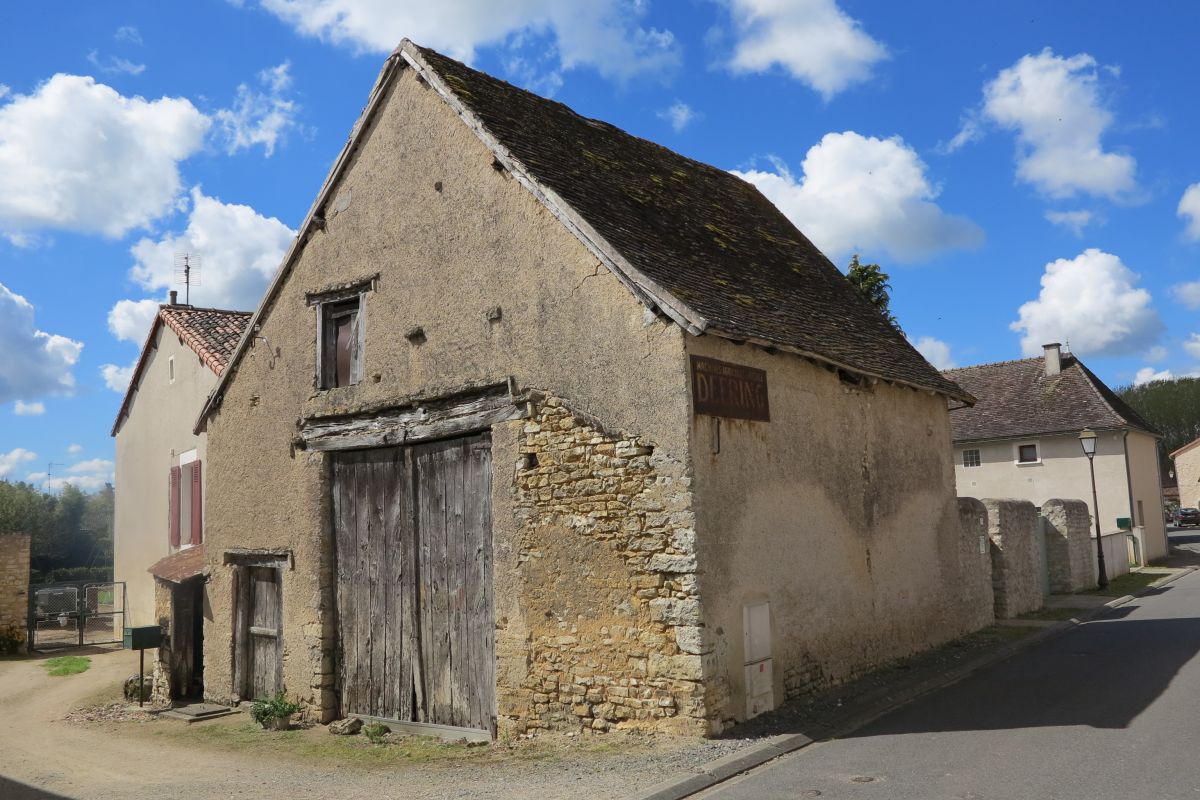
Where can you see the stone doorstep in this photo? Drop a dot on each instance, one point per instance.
(197, 712)
(756, 755)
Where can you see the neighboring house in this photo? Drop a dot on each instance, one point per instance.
(1021, 440)
(160, 471)
(545, 425)
(1186, 475)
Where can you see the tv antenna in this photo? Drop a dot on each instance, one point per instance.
(187, 272)
(50, 465)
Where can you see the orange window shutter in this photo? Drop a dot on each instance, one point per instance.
(197, 505)
(173, 508)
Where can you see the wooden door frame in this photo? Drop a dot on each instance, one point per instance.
(242, 562)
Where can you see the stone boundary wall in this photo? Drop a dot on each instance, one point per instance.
(14, 585)
(1017, 567)
(1070, 551)
(612, 634)
(975, 564)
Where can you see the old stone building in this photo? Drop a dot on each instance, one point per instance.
(14, 590)
(544, 425)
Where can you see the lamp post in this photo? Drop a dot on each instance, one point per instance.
(1087, 439)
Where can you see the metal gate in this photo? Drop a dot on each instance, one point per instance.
(75, 614)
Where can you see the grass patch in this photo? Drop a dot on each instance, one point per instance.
(393, 751)
(66, 665)
(1128, 583)
(1053, 613)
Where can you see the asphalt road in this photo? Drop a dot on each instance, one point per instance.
(1108, 710)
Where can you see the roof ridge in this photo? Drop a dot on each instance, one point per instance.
(1095, 383)
(994, 364)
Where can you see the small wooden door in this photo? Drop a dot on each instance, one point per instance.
(413, 536)
(259, 652)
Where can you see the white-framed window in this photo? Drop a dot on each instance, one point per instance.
(971, 458)
(1027, 453)
(185, 502)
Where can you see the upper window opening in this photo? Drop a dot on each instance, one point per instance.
(1027, 454)
(341, 345)
(971, 458)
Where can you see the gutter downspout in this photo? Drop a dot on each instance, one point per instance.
(1129, 483)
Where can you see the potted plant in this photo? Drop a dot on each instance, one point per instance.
(274, 714)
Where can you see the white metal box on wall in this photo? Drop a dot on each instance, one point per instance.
(759, 675)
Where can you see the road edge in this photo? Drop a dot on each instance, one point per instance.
(771, 748)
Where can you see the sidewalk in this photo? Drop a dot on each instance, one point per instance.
(846, 708)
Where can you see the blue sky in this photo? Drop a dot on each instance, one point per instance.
(1022, 173)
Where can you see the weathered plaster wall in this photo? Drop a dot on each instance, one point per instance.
(451, 239)
(598, 603)
(1147, 489)
(841, 513)
(975, 563)
(1187, 472)
(149, 441)
(14, 583)
(1070, 548)
(1017, 566)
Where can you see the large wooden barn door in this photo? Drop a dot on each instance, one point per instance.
(413, 539)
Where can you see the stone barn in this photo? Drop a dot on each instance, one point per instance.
(542, 425)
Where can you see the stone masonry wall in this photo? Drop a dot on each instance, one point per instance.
(1017, 568)
(1070, 552)
(975, 563)
(613, 634)
(14, 585)
(163, 613)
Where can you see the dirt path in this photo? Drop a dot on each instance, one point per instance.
(42, 756)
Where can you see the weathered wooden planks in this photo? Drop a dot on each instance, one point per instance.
(413, 544)
(263, 630)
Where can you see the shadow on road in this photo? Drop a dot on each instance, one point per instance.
(12, 790)
(1102, 675)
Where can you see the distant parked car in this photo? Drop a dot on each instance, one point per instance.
(1187, 516)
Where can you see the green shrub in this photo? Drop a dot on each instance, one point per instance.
(278, 707)
(376, 732)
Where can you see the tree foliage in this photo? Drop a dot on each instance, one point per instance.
(68, 529)
(1172, 407)
(872, 283)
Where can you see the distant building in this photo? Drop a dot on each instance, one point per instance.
(1187, 474)
(160, 472)
(1020, 440)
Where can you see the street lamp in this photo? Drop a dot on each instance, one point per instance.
(1087, 439)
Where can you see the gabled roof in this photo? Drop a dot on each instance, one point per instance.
(695, 242)
(1184, 449)
(212, 333)
(1015, 399)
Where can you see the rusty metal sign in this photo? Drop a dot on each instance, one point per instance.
(721, 389)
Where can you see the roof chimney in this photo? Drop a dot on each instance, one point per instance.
(1053, 358)
(174, 295)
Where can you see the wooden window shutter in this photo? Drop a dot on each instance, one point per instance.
(173, 508)
(197, 505)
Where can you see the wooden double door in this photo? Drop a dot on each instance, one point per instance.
(413, 541)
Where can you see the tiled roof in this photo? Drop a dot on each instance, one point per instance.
(179, 567)
(1016, 399)
(213, 334)
(708, 239)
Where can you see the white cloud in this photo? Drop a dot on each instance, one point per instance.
(130, 320)
(1157, 353)
(128, 33)
(239, 251)
(1148, 374)
(76, 155)
(23, 409)
(115, 64)
(1074, 221)
(813, 40)
(35, 362)
(75, 449)
(679, 114)
(936, 352)
(602, 34)
(866, 194)
(1187, 293)
(10, 460)
(1090, 301)
(1189, 209)
(95, 465)
(260, 117)
(4, 91)
(87, 476)
(1054, 105)
(117, 378)
(1192, 345)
